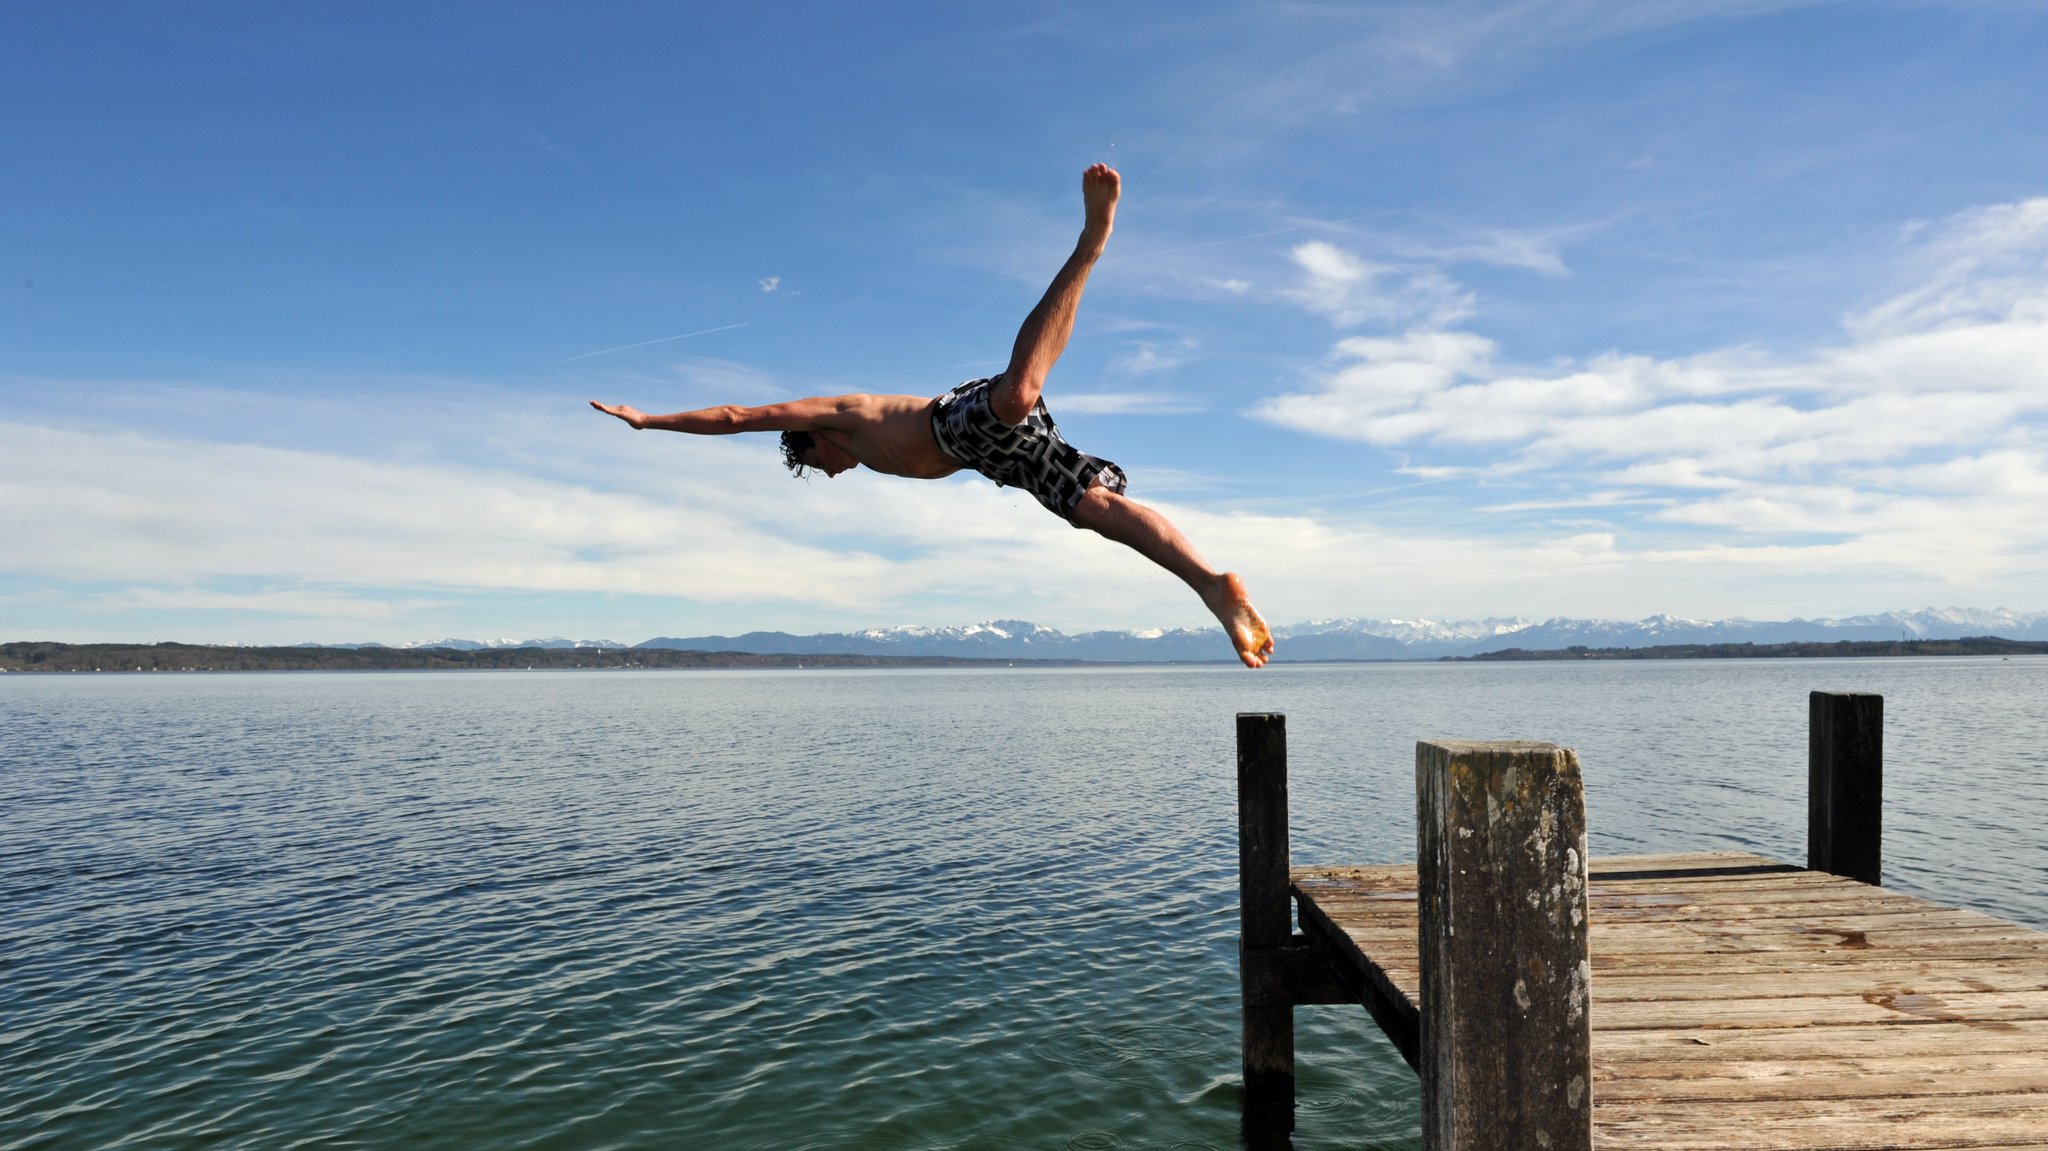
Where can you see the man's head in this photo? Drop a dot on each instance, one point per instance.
(802, 450)
(794, 446)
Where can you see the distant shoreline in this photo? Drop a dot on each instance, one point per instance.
(1972, 645)
(46, 657)
(50, 657)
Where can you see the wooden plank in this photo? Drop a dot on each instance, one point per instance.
(1962, 978)
(1858, 932)
(1400, 880)
(1763, 874)
(1724, 963)
(1803, 1124)
(1901, 1011)
(1621, 916)
(1942, 955)
(1898, 975)
(1770, 1045)
(1775, 884)
(1669, 858)
(1845, 934)
(1623, 898)
(1876, 1077)
(1632, 982)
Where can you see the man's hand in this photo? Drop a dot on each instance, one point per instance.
(633, 416)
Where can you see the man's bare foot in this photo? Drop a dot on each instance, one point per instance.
(1241, 621)
(633, 416)
(1100, 187)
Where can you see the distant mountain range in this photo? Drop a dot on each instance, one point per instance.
(1334, 639)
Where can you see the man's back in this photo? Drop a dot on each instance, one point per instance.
(888, 434)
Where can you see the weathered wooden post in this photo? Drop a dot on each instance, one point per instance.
(1501, 863)
(1845, 784)
(1266, 920)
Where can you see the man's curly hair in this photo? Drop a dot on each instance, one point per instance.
(794, 445)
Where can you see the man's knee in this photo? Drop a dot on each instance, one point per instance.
(1094, 508)
(1012, 397)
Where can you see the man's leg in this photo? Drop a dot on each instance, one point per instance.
(1153, 536)
(1044, 334)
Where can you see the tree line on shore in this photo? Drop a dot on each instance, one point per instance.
(38, 656)
(1971, 645)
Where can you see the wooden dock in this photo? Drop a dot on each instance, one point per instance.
(1735, 1002)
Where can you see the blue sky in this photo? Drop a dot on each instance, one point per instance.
(1439, 310)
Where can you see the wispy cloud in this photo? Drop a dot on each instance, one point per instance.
(1351, 290)
(1130, 403)
(1370, 55)
(1984, 266)
(1537, 250)
(1147, 357)
(1142, 255)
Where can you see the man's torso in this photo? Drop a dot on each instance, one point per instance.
(892, 435)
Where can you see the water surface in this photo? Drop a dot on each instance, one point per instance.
(892, 909)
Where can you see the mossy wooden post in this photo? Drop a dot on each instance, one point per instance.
(1501, 869)
(1845, 784)
(1266, 918)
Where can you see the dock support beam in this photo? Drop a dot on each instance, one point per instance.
(1845, 784)
(1266, 919)
(1501, 861)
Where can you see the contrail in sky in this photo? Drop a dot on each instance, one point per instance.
(645, 343)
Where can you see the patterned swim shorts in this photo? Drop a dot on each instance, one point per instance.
(1030, 455)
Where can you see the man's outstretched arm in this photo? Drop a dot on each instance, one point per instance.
(728, 419)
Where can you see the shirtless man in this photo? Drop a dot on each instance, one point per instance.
(1000, 428)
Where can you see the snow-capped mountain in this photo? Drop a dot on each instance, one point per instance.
(994, 639)
(555, 643)
(1373, 638)
(1424, 639)
(1323, 639)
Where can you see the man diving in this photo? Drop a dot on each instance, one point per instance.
(999, 427)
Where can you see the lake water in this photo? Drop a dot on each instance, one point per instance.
(753, 910)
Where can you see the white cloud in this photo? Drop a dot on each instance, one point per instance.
(128, 507)
(1910, 443)
(327, 545)
(1351, 290)
(1388, 378)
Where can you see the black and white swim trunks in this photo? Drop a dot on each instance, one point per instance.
(1030, 455)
